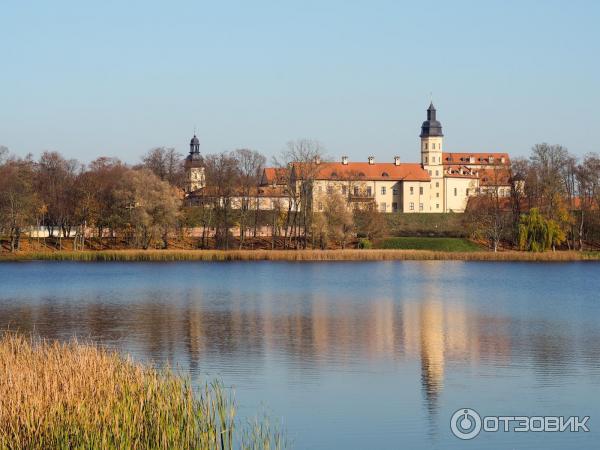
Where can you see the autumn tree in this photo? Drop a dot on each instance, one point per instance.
(151, 206)
(369, 222)
(55, 181)
(338, 219)
(19, 203)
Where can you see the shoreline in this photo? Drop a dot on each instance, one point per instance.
(294, 255)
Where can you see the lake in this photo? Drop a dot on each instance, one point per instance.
(351, 355)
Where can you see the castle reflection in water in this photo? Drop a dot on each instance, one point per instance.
(314, 332)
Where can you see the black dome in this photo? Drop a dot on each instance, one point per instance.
(195, 141)
(431, 127)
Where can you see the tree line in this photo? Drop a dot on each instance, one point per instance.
(554, 202)
(142, 205)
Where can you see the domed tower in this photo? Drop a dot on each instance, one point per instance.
(194, 167)
(431, 139)
(431, 158)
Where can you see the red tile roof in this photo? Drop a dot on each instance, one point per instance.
(494, 177)
(366, 171)
(480, 158)
(459, 172)
(274, 175)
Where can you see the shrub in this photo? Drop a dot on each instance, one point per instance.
(365, 244)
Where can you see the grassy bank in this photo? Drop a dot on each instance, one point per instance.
(296, 255)
(429, 243)
(432, 224)
(55, 395)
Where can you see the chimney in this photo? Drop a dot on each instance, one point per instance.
(396, 160)
(371, 160)
(345, 160)
(317, 159)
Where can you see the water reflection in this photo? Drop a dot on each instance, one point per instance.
(242, 331)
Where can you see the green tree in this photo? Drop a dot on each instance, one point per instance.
(537, 234)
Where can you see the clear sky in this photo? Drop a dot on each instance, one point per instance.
(116, 78)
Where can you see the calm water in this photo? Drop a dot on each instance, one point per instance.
(347, 355)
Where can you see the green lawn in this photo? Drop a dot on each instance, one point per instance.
(428, 243)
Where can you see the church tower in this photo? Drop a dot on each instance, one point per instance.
(194, 167)
(431, 158)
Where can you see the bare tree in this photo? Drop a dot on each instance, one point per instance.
(165, 163)
(303, 161)
(250, 166)
(222, 178)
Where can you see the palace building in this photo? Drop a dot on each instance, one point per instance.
(441, 182)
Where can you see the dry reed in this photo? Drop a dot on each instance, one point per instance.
(295, 255)
(69, 395)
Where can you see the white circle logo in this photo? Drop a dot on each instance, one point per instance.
(465, 423)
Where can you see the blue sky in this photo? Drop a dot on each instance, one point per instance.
(116, 78)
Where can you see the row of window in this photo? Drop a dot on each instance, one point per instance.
(411, 206)
(433, 146)
(369, 191)
(433, 159)
(330, 190)
(383, 207)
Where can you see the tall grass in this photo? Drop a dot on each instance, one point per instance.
(69, 395)
(296, 255)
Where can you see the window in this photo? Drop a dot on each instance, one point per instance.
(394, 206)
(411, 206)
(344, 189)
(467, 192)
(383, 190)
(437, 206)
(385, 174)
(425, 145)
(433, 146)
(320, 206)
(426, 160)
(369, 192)
(437, 173)
(420, 206)
(383, 207)
(456, 192)
(430, 173)
(412, 190)
(421, 190)
(395, 191)
(437, 184)
(437, 194)
(356, 190)
(329, 189)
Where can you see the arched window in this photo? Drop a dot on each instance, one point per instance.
(385, 174)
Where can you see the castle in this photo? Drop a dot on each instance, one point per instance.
(441, 182)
